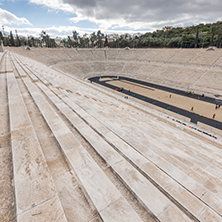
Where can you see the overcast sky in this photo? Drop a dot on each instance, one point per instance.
(61, 17)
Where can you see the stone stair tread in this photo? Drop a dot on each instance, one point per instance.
(33, 182)
(96, 184)
(116, 162)
(49, 209)
(194, 199)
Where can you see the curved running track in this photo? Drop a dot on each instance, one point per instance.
(193, 116)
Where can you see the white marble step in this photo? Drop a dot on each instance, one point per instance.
(172, 169)
(64, 83)
(8, 65)
(188, 201)
(96, 184)
(2, 64)
(19, 69)
(148, 194)
(34, 188)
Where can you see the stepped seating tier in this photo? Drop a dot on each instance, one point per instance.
(96, 185)
(34, 189)
(124, 54)
(137, 55)
(130, 153)
(183, 56)
(112, 157)
(114, 67)
(163, 73)
(128, 165)
(99, 54)
(98, 67)
(143, 63)
(186, 76)
(111, 54)
(86, 55)
(213, 78)
(164, 55)
(73, 54)
(178, 161)
(206, 58)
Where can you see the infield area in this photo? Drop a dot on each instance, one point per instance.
(198, 108)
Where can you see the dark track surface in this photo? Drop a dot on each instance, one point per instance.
(193, 116)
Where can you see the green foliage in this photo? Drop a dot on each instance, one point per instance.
(202, 35)
(12, 41)
(1, 36)
(189, 37)
(18, 43)
(189, 93)
(93, 39)
(45, 40)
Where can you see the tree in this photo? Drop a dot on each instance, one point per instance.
(219, 36)
(23, 41)
(81, 42)
(187, 37)
(32, 41)
(1, 36)
(106, 41)
(46, 41)
(18, 43)
(188, 40)
(202, 37)
(17, 39)
(196, 39)
(86, 40)
(93, 39)
(70, 42)
(174, 42)
(42, 38)
(12, 41)
(75, 35)
(100, 36)
(213, 30)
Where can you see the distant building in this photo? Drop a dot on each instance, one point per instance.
(166, 28)
(138, 34)
(126, 36)
(58, 41)
(112, 37)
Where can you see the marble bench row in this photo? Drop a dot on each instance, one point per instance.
(206, 210)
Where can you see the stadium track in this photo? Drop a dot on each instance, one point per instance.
(193, 116)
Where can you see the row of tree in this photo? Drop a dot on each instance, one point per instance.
(202, 35)
(15, 41)
(188, 37)
(94, 40)
(98, 39)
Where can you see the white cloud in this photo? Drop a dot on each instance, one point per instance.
(61, 31)
(7, 18)
(55, 4)
(119, 16)
(140, 14)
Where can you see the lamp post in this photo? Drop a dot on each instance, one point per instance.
(204, 34)
(17, 44)
(3, 32)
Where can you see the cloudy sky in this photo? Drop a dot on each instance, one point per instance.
(61, 17)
